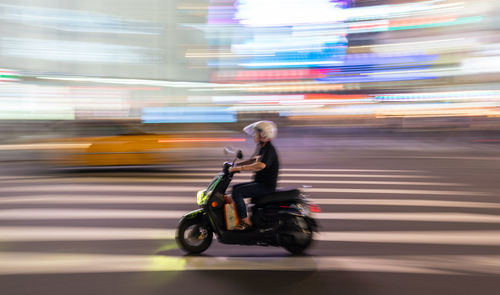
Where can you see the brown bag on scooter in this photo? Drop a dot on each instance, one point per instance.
(231, 214)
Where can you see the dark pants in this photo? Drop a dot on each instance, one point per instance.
(252, 190)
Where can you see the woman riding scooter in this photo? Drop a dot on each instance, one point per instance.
(281, 218)
(264, 163)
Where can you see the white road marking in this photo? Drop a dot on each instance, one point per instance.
(92, 199)
(396, 202)
(63, 180)
(459, 237)
(69, 213)
(439, 157)
(352, 170)
(107, 199)
(388, 176)
(57, 263)
(395, 191)
(17, 263)
(215, 169)
(218, 169)
(100, 187)
(49, 233)
(41, 263)
(412, 216)
(20, 177)
(382, 182)
(164, 189)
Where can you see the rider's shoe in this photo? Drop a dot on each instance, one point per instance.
(242, 226)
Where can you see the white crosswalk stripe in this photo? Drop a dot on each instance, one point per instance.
(215, 169)
(322, 175)
(41, 233)
(166, 189)
(320, 170)
(353, 173)
(139, 199)
(236, 180)
(103, 199)
(407, 203)
(394, 191)
(491, 238)
(377, 187)
(65, 213)
(23, 263)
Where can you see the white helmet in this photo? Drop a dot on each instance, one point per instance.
(266, 129)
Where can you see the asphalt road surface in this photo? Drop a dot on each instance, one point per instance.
(419, 220)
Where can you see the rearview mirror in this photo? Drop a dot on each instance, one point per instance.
(229, 150)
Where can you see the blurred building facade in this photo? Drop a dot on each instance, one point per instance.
(220, 62)
(118, 39)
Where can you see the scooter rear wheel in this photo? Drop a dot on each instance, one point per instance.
(193, 237)
(297, 235)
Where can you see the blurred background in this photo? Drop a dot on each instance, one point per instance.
(127, 82)
(389, 109)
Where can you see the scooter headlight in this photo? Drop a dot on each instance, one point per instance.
(201, 198)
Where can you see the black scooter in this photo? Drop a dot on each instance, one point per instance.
(282, 219)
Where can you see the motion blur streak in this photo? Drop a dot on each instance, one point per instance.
(226, 63)
(114, 113)
(202, 140)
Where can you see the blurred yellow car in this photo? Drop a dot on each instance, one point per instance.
(131, 146)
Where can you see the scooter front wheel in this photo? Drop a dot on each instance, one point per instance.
(193, 237)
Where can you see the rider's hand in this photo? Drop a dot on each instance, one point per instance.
(234, 169)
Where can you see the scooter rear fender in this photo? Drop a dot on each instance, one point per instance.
(293, 212)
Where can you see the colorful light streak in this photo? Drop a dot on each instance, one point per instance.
(188, 115)
(200, 140)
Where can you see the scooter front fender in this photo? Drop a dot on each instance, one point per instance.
(201, 217)
(195, 214)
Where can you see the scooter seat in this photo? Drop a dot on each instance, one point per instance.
(278, 196)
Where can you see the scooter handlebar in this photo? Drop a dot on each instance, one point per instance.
(226, 167)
